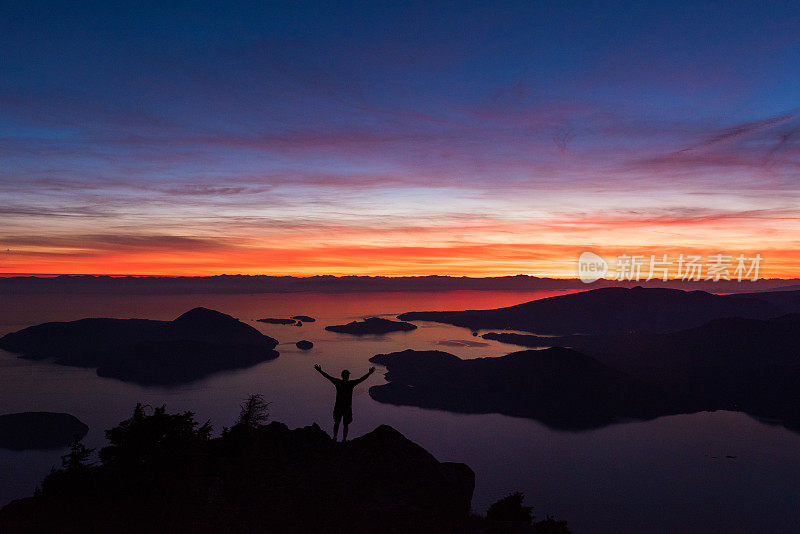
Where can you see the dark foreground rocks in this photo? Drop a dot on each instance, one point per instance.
(162, 473)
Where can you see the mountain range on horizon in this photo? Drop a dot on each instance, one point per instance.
(233, 284)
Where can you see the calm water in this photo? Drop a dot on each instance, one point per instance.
(655, 476)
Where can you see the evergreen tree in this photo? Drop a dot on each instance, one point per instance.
(254, 411)
(77, 457)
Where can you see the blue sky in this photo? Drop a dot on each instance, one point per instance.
(433, 126)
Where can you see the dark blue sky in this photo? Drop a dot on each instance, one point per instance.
(201, 121)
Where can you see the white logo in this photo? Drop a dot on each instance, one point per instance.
(591, 267)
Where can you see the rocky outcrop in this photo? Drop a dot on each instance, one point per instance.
(263, 479)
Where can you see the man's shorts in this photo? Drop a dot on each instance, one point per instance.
(345, 413)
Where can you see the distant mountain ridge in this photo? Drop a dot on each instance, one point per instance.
(235, 284)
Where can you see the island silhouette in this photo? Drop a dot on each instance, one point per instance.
(277, 320)
(557, 386)
(733, 363)
(197, 344)
(371, 326)
(618, 309)
(744, 358)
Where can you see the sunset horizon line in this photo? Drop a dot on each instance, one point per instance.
(390, 276)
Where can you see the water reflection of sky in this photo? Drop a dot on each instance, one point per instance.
(622, 478)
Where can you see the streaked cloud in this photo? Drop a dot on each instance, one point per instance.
(460, 140)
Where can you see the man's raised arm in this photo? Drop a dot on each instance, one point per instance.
(323, 373)
(359, 380)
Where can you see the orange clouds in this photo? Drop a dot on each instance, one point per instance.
(491, 247)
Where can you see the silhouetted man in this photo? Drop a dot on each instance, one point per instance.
(343, 409)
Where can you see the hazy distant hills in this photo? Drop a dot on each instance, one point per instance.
(617, 309)
(787, 299)
(234, 284)
(196, 344)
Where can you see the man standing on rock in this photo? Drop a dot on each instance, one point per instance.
(343, 409)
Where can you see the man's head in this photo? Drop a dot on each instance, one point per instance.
(346, 374)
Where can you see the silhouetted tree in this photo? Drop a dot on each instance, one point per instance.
(254, 412)
(157, 440)
(77, 457)
(510, 508)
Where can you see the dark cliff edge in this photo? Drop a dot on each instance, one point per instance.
(164, 473)
(195, 345)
